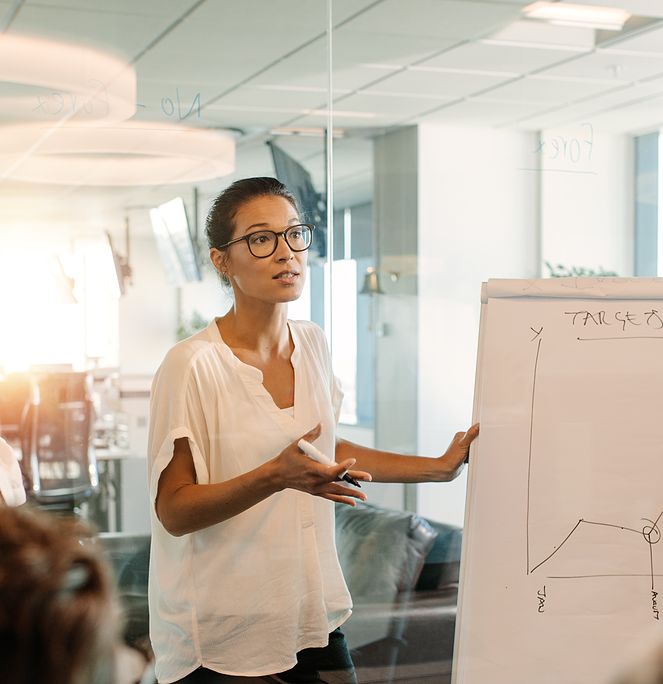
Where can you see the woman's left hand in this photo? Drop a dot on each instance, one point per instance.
(451, 462)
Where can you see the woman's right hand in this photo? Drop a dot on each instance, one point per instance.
(296, 470)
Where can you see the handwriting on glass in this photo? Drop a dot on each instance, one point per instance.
(569, 149)
(60, 102)
(57, 103)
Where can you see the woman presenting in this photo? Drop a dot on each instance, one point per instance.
(244, 577)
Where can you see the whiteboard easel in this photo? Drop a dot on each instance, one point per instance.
(562, 559)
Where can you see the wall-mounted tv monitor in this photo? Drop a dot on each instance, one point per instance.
(177, 249)
(312, 204)
(122, 268)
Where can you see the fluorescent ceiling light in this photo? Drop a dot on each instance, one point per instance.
(80, 82)
(340, 112)
(126, 154)
(568, 14)
(307, 131)
(535, 46)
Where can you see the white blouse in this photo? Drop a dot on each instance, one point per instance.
(243, 596)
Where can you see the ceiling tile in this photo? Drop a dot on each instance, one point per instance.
(308, 69)
(353, 46)
(220, 51)
(481, 112)
(150, 8)
(544, 35)
(488, 57)
(249, 118)
(448, 19)
(386, 108)
(447, 84)
(538, 89)
(609, 64)
(123, 34)
(292, 100)
(649, 41)
(628, 99)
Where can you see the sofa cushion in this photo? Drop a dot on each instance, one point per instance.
(380, 550)
(442, 564)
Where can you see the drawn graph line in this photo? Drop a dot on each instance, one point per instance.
(531, 433)
(570, 534)
(650, 532)
(604, 574)
(623, 337)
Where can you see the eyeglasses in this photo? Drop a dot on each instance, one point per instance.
(263, 243)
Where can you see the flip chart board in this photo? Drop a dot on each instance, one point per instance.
(562, 567)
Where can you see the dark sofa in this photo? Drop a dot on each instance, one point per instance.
(402, 571)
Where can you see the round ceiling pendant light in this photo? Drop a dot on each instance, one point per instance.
(128, 153)
(68, 82)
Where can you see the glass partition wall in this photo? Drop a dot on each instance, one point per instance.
(434, 144)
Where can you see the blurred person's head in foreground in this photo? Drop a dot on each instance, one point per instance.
(58, 616)
(642, 659)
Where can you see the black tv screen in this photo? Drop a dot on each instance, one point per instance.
(176, 247)
(311, 203)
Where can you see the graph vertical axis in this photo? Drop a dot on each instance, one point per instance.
(531, 433)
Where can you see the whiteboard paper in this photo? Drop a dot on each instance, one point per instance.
(562, 558)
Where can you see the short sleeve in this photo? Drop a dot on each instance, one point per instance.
(175, 412)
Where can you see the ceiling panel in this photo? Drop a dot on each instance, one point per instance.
(635, 120)
(308, 69)
(447, 84)
(205, 50)
(353, 46)
(540, 34)
(385, 108)
(485, 56)
(342, 10)
(650, 42)
(447, 19)
(609, 64)
(149, 8)
(628, 98)
(293, 100)
(248, 118)
(347, 120)
(119, 33)
(644, 118)
(539, 89)
(481, 112)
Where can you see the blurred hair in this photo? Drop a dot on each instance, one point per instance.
(648, 670)
(220, 224)
(58, 617)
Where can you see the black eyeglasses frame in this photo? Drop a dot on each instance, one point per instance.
(278, 234)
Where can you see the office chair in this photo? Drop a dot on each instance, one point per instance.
(56, 438)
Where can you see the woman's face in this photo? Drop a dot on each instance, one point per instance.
(274, 279)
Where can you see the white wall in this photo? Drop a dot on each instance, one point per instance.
(478, 219)
(587, 198)
(148, 315)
